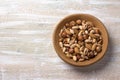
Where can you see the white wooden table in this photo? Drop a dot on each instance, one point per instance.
(26, 49)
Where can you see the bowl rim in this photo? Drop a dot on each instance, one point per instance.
(56, 26)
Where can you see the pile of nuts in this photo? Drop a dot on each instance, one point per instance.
(80, 40)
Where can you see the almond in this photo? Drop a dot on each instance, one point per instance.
(76, 50)
(94, 46)
(89, 46)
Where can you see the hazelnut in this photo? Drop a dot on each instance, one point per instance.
(80, 38)
(64, 34)
(98, 48)
(67, 24)
(78, 21)
(72, 23)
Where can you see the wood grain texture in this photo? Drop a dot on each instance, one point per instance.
(26, 49)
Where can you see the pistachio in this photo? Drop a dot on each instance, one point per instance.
(88, 41)
(84, 27)
(68, 31)
(61, 39)
(86, 32)
(81, 60)
(92, 31)
(94, 40)
(83, 22)
(61, 44)
(69, 55)
(100, 42)
(71, 41)
(66, 45)
(86, 57)
(80, 33)
(85, 51)
(95, 53)
(81, 49)
(71, 31)
(75, 27)
(76, 31)
(64, 49)
(81, 27)
(91, 55)
(72, 46)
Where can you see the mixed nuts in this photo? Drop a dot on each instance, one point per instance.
(80, 40)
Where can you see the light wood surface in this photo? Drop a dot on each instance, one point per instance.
(26, 49)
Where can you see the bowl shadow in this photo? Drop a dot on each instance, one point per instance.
(100, 65)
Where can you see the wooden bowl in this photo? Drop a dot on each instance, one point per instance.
(86, 17)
